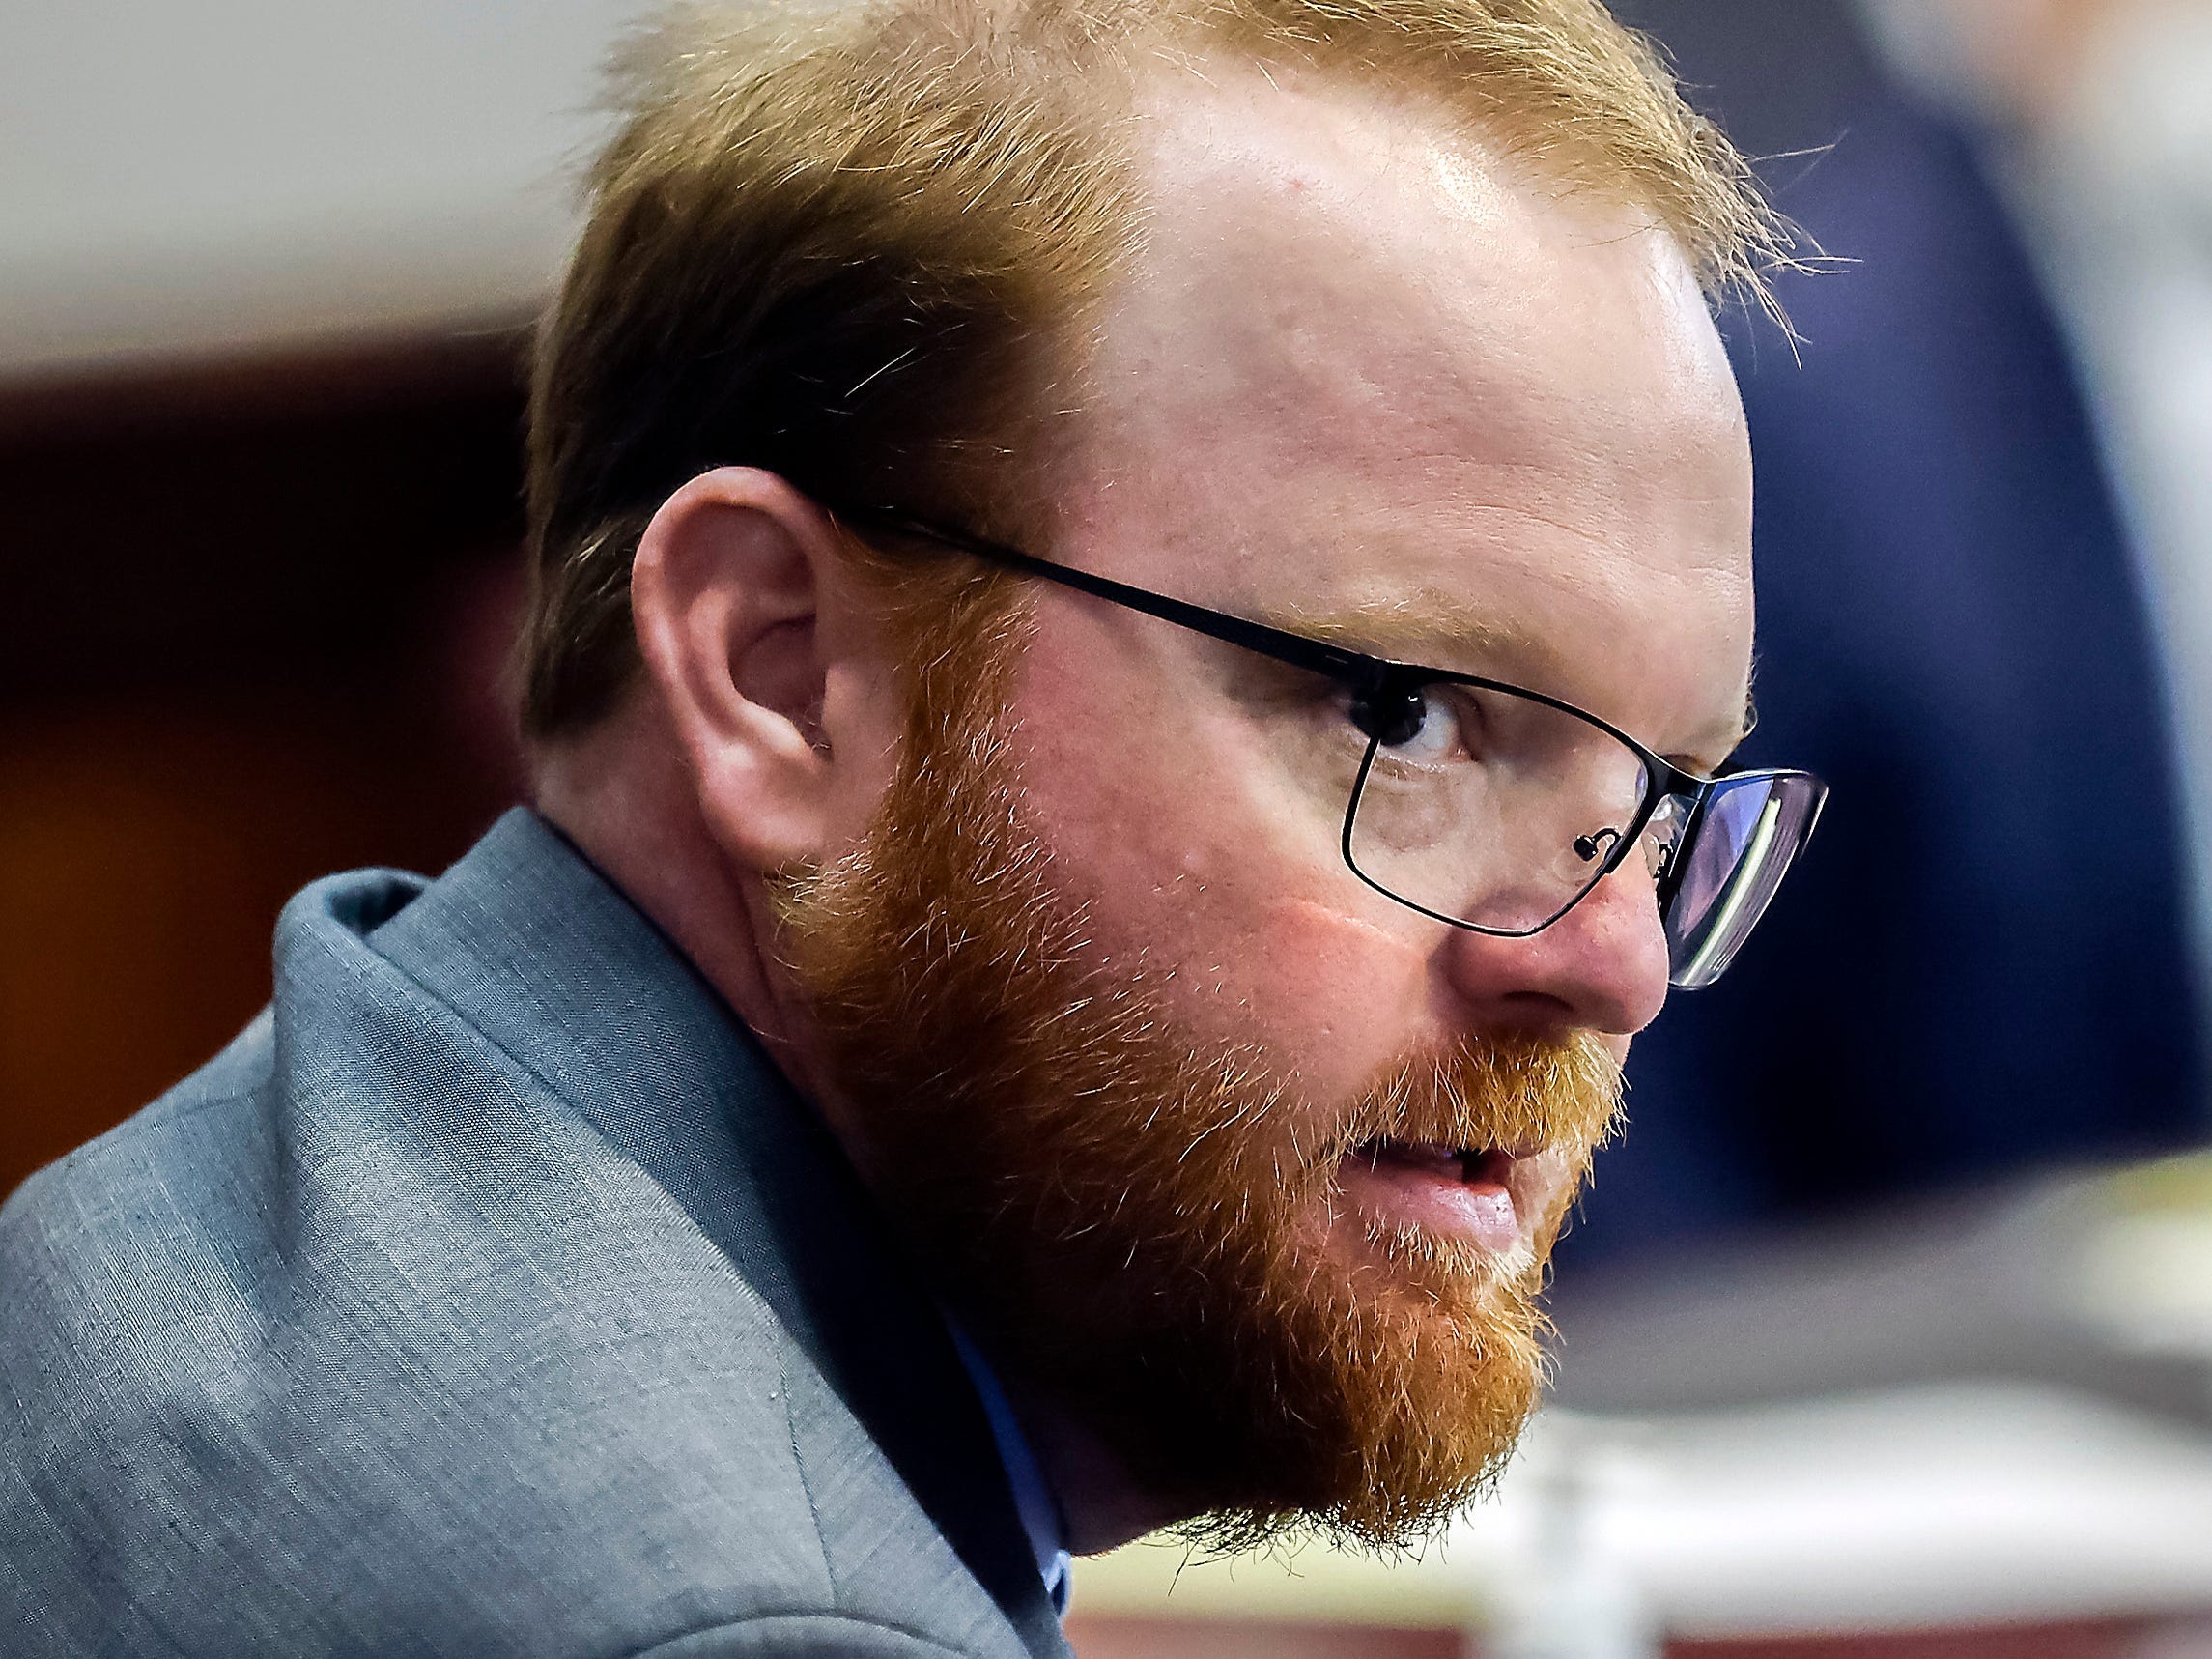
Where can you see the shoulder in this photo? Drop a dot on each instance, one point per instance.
(362, 1336)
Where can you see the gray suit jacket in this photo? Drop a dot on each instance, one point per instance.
(492, 1294)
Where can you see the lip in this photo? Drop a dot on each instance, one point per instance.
(1490, 1198)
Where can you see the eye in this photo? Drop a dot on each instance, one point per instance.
(1431, 728)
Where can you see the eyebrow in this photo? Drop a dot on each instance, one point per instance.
(1409, 630)
(1393, 630)
(1706, 764)
(1418, 631)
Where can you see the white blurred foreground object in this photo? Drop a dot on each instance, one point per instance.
(1569, 1593)
(1957, 1505)
(1937, 1419)
(1950, 1506)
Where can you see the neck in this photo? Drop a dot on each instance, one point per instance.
(622, 792)
(1102, 1506)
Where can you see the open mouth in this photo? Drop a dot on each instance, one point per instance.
(1490, 1165)
(1462, 1193)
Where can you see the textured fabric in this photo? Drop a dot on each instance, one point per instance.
(491, 1294)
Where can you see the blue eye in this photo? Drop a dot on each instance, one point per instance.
(1432, 731)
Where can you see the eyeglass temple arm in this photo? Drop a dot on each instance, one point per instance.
(1364, 673)
(1375, 682)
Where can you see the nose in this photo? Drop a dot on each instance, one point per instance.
(1601, 967)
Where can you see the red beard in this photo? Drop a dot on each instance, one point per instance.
(1138, 1226)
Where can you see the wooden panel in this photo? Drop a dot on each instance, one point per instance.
(255, 628)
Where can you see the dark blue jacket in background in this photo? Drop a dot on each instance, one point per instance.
(1982, 966)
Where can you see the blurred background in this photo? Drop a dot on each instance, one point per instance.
(1888, 1327)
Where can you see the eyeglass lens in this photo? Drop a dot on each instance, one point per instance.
(1499, 811)
(1739, 848)
(1502, 811)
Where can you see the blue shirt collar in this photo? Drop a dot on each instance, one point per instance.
(1038, 1508)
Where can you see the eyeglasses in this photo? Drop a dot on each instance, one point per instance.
(1497, 809)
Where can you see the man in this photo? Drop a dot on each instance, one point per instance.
(1020, 1017)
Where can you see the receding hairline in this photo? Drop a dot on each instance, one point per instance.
(876, 137)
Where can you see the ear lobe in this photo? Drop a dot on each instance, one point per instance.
(726, 595)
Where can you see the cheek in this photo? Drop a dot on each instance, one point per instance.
(1202, 874)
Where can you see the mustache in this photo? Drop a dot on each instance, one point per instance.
(1514, 1094)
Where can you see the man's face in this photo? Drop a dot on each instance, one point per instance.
(1364, 378)
(1172, 1099)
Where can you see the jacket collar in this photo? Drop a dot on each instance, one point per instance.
(563, 970)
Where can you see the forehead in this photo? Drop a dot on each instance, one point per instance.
(1364, 367)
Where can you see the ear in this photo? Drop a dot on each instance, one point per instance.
(745, 625)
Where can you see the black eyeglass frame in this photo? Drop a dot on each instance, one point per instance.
(1385, 700)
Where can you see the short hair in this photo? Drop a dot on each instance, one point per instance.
(853, 245)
